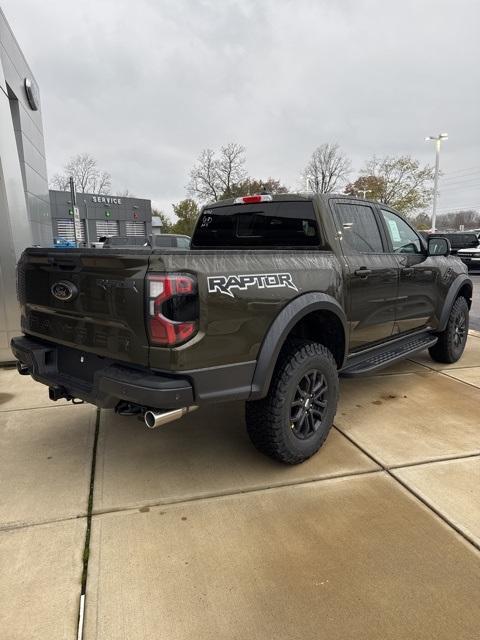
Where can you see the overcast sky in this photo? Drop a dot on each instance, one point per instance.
(145, 85)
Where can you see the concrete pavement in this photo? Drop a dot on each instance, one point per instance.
(196, 535)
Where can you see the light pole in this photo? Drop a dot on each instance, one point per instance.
(438, 141)
(364, 191)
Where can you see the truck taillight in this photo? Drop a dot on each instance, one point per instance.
(265, 197)
(172, 308)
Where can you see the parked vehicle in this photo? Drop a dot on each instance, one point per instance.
(166, 240)
(277, 296)
(118, 242)
(458, 239)
(171, 240)
(470, 257)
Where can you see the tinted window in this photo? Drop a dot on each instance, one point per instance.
(358, 228)
(403, 237)
(267, 224)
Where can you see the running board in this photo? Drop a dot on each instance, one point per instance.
(386, 355)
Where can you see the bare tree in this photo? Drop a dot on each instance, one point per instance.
(204, 177)
(469, 218)
(59, 181)
(86, 175)
(212, 177)
(327, 168)
(231, 167)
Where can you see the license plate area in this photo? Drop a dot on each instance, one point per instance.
(79, 364)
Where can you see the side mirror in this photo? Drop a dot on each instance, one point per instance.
(439, 247)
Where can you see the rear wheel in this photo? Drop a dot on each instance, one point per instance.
(452, 341)
(292, 422)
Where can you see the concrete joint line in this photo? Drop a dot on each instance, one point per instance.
(13, 526)
(461, 533)
(446, 375)
(392, 475)
(218, 496)
(462, 456)
(86, 548)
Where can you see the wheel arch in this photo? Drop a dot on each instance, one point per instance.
(315, 316)
(461, 286)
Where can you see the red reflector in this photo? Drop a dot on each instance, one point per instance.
(168, 333)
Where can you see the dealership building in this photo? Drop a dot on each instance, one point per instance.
(24, 200)
(100, 216)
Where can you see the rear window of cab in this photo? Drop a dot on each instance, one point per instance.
(265, 224)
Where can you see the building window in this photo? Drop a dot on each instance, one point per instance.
(107, 228)
(135, 228)
(66, 230)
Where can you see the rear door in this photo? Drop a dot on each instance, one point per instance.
(372, 274)
(89, 299)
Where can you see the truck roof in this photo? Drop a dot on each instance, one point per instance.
(289, 197)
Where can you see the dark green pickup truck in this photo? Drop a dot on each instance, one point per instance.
(276, 296)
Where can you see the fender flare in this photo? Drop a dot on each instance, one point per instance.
(279, 330)
(450, 298)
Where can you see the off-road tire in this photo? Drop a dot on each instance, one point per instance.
(449, 347)
(269, 421)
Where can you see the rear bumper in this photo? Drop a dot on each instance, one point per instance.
(105, 383)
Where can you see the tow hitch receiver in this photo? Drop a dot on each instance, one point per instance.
(57, 393)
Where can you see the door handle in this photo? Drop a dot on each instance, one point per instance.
(407, 271)
(363, 272)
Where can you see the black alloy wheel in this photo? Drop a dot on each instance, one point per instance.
(460, 330)
(309, 404)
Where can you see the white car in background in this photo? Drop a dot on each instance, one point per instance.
(471, 257)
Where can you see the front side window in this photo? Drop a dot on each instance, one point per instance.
(358, 228)
(402, 236)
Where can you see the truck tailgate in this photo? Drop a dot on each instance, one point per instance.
(89, 299)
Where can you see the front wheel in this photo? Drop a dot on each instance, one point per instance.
(292, 422)
(452, 341)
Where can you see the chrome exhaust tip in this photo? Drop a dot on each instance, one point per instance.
(154, 419)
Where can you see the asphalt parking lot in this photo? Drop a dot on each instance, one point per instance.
(187, 532)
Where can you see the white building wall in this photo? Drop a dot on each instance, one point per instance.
(24, 199)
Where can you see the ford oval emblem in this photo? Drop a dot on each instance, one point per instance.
(64, 290)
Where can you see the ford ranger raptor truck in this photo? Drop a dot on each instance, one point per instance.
(275, 298)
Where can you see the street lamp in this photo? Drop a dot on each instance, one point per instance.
(364, 192)
(438, 141)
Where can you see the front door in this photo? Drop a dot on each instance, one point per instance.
(371, 273)
(418, 273)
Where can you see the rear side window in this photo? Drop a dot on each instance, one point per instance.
(358, 228)
(267, 224)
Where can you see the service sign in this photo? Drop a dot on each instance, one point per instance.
(106, 200)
